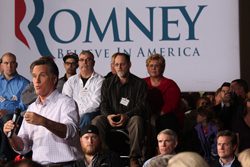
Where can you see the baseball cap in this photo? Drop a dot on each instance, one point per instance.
(89, 129)
(71, 55)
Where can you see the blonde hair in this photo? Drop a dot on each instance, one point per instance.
(187, 159)
(244, 158)
(159, 58)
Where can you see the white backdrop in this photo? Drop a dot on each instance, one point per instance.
(199, 39)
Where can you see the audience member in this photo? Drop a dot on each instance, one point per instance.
(225, 110)
(187, 159)
(94, 155)
(206, 132)
(240, 88)
(11, 87)
(241, 126)
(190, 117)
(217, 97)
(70, 65)
(163, 95)
(226, 147)
(210, 96)
(167, 142)
(112, 72)
(49, 127)
(244, 158)
(85, 88)
(123, 104)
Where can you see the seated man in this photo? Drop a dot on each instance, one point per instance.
(85, 88)
(91, 145)
(11, 86)
(123, 98)
(167, 142)
(226, 147)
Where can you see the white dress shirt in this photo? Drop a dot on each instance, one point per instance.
(47, 147)
(88, 96)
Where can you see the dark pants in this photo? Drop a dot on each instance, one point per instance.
(134, 126)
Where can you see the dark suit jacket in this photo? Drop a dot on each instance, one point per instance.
(216, 163)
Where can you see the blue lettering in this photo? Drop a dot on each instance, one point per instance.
(137, 22)
(92, 20)
(166, 22)
(77, 26)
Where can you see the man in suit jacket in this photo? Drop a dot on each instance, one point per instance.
(226, 147)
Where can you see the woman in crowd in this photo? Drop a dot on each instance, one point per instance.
(164, 96)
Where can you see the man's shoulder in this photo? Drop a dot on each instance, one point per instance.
(98, 76)
(137, 80)
(22, 78)
(215, 163)
(61, 98)
(236, 163)
(73, 80)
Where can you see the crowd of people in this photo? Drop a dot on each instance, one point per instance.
(67, 121)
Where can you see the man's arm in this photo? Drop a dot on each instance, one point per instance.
(57, 128)
(15, 141)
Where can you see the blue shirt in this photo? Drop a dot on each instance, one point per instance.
(10, 93)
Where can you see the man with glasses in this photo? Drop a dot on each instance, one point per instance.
(70, 65)
(123, 106)
(85, 88)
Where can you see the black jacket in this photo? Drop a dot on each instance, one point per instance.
(216, 163)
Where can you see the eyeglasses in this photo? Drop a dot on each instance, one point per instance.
(121, 64)
(69, 63)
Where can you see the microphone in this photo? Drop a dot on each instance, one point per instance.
(15, 119)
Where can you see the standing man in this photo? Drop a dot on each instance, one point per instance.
(85, 88)
(123, 101)
(50, 125)
(70, 65)
(11, 86)
(91, 145)
(226, 147)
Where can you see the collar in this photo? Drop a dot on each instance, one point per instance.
(227, 164)
(49, 98)
(2, 77)
(117, 79)
(91, 76)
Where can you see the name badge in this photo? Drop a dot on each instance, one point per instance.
(2, 99)
(124, 101)
(83, 91)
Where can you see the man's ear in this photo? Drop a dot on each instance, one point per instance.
(16, 64)
(55, 79)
